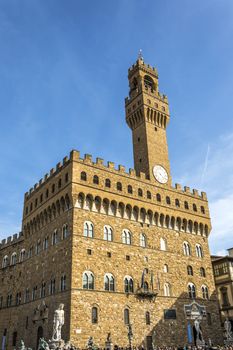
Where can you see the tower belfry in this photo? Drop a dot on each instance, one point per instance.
(147, 115)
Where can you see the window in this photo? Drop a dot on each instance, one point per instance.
(94, 315)
(209, 321)
(168, 200)
(147, 317)
(205, 293)
(30, 252)
(63, 283)
(108, 183)
(177, 203)
(54, 237)
(38, 247)
(18, 299)
(126, 237)
(148, 195)
(59, 183)
(46, 243)
(5, 261)
(127, 257)
(89, 251)
(1, 302)
(165, 268)
(167, 290)
(186, 249)
(53, 188)
(119, 186)
(109, 283)
(83, 176)
(41, 197)
(47, 193)
(65, 231)
(142, 240)
(190, 270)
(191, 291)
(66, 177)
(186, 205)
(149, 83)
(140, 193)
(199, 251)
(95, 180)
(158, 197)
(22, 255)
(13, 259)
(163, 244)
(42, 290)
(194, 207)
(130, 189)
(34, 290)
(108, 236)
(128, 283)
(88, 229)
(27, 296)
(202, 272)
(126, 316)
(52, 286)
(88, 280)
(224, 295)
(202, 209)
(9, 300)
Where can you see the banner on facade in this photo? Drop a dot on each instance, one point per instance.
(194, 310)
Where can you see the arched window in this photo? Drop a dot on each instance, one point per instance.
(158, 197)
(94, 314)
(126, 316)
(88, 280)
(142, 240)
(128, 283)
(108, 236)
(147, 317)
(54, 237)
(165, 268)
(45, 243)
(126, 237)
(140, 193)
(145, 286)
(13, 259)
(149, 83)
(194, 207)
(177, 203)
(191, 291)
(108, 183)
(167, 290)
(202, 272)
(190, 270)
(168, 200)
(52, 286)
(119, 186)
(205, 292)
(199, 251)
(148, 194)
(88, 229)
(202, 209)
(5, 261)
(130, 189)
(95, 180)
(22, 255)
(186, 249)
(109, 282)
(65, 231)
(83, 176)
(63, 283)
(163, 244)
(186, 205)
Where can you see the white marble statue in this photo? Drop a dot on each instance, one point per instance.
(199, 338)
(227, 327)
(58, 322)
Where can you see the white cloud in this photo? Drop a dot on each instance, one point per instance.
(215, 176)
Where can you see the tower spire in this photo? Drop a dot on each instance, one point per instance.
(140, 56)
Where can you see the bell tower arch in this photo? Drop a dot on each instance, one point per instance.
(147, 115)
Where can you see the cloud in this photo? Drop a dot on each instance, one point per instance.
(215, 176)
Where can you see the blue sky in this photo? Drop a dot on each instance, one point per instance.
(63, 80)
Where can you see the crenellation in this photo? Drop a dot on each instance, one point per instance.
(196, 193)
(111, 165)
(99, 161)
(52, 171)
(178, 187)
(74, 155)
(88, 158)
(204, 195)
(46, 177)
(40, 182)
(121, 168)
(65, 160)
(132, 172)
(187, 189)
(58, 166)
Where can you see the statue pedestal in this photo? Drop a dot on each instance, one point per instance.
(108, 345)
(54, 344)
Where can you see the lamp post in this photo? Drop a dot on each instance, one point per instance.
(130, 335)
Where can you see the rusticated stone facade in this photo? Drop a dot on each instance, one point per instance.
(114, 247)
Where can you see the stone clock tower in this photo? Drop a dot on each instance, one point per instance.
(147, 114)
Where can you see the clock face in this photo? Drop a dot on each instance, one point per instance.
(160, 174)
